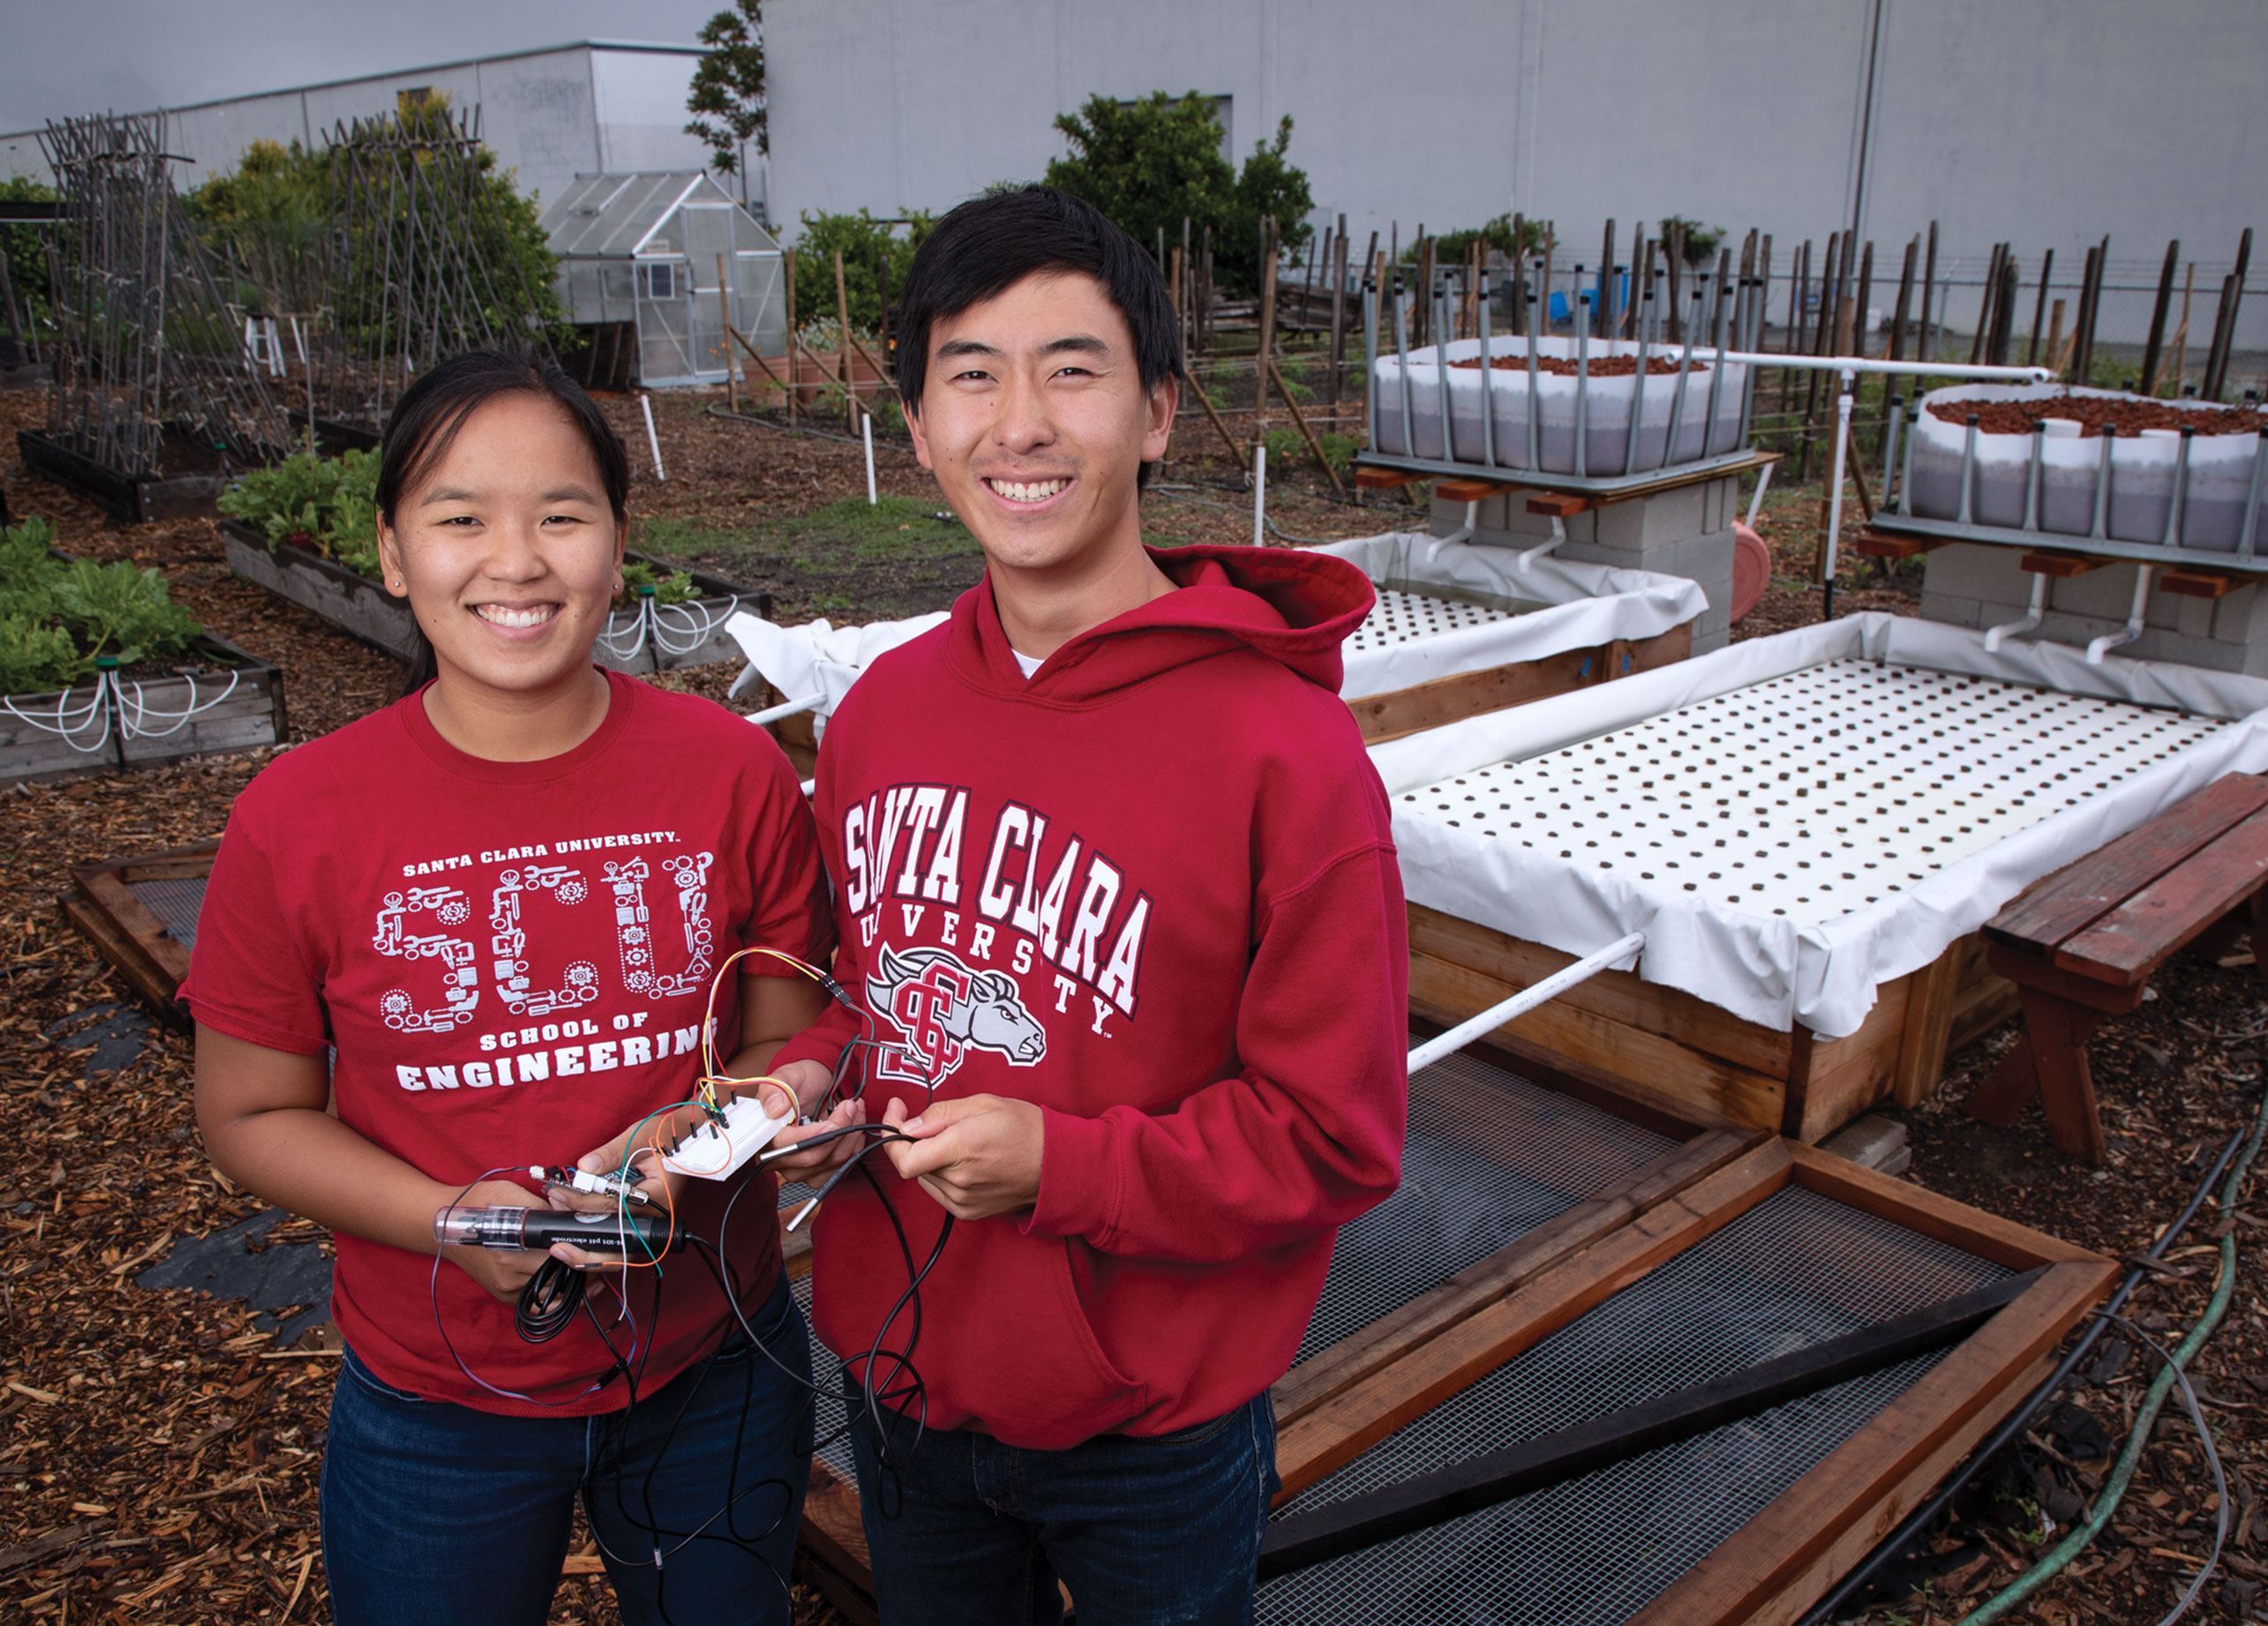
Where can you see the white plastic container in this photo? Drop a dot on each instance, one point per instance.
(2143, 472)
(1607, 409)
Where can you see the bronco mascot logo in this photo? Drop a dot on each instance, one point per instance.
(943, 1008)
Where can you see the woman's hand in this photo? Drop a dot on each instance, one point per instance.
(502, 1272)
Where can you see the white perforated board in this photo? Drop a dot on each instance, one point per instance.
(1881, 786)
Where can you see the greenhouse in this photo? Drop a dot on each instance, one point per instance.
(642, 259)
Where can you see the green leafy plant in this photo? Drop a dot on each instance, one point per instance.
(728, 87)
(28, 259)
(671, 587)
(327, 505)
(1452, 246)
(57, 618)
(1148, 163)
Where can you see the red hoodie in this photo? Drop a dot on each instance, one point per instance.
(1152, 888)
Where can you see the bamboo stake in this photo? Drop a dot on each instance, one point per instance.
(1267, 325)
(2181, 344)
(724, 314)
(794, 372)
(1236, 454)
(1299, 422)
(2155, 348)
(843, 348)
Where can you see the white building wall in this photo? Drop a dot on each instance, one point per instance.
(549, 115)
(2047, 122)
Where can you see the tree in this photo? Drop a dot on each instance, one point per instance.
(1700, 241)
(1451, 247)
(728, 87)
(865, 241)
(1266, 186)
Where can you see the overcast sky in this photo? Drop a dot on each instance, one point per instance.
(64, 57)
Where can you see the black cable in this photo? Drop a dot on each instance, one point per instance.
(2021, 1419)
(548, 1301)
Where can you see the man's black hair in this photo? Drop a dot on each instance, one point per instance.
(989, 244)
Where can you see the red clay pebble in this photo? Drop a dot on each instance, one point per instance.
(2132, 414)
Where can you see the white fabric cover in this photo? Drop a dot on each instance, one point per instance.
(1764, 969)
(817, 658)
(1587, 604)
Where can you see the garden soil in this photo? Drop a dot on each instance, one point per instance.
(159, 1452)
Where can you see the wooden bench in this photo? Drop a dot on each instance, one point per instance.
(2085, 944)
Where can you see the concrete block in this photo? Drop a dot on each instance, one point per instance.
(1644, 521)
(2241, 617)
(1969, 570)
(1707, 641)
(1871, 1143)
(1950, 610)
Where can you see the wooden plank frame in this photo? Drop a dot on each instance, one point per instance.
(1783, 1561)
(1428, 705)
(1325, 1391)
(126, 933)
(1682, 1055)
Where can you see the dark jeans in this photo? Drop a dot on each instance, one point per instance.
(1144, 1532)
(435, 1514)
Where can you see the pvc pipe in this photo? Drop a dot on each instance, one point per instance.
(1260, 494)
(653, 441)
(1756, 502)
(1866, 363)
(773, 713)
(1463, 533)
(1994, 637)
(1527, 999)
(2100, 647)
(867, 434)
(1835, 507)
(1520, 561)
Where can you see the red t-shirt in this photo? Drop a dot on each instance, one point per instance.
(512, 959)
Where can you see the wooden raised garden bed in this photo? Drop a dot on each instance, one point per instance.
(1629, 1258)
(140, 913)
(1684, 1055)
(359, 607)
(237, 701)
(134, 499)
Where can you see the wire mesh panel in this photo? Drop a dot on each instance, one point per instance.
(175, 899)
(1812, 795)
(1797, 1269)
(1489, 1156)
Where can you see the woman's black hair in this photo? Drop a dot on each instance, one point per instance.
(989, 244)
(425, 421)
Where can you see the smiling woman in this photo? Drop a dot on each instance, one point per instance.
(500, 497)
(402, 917)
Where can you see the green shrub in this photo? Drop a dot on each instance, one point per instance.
(865, 241)
(326, 505)
(57, 618)
(1147, 164)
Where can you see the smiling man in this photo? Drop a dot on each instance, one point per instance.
(1118, 892)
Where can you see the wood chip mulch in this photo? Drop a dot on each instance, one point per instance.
(158, 1455)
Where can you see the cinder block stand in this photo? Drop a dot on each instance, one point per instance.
(1971, 584)
(1685, 531)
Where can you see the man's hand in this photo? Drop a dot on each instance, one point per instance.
(979, 1156)
(810, 1080)
(502, 1272)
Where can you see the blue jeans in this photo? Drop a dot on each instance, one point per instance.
(435, 1514)
(968, 1532)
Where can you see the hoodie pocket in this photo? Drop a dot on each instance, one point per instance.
(1006, 1346)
